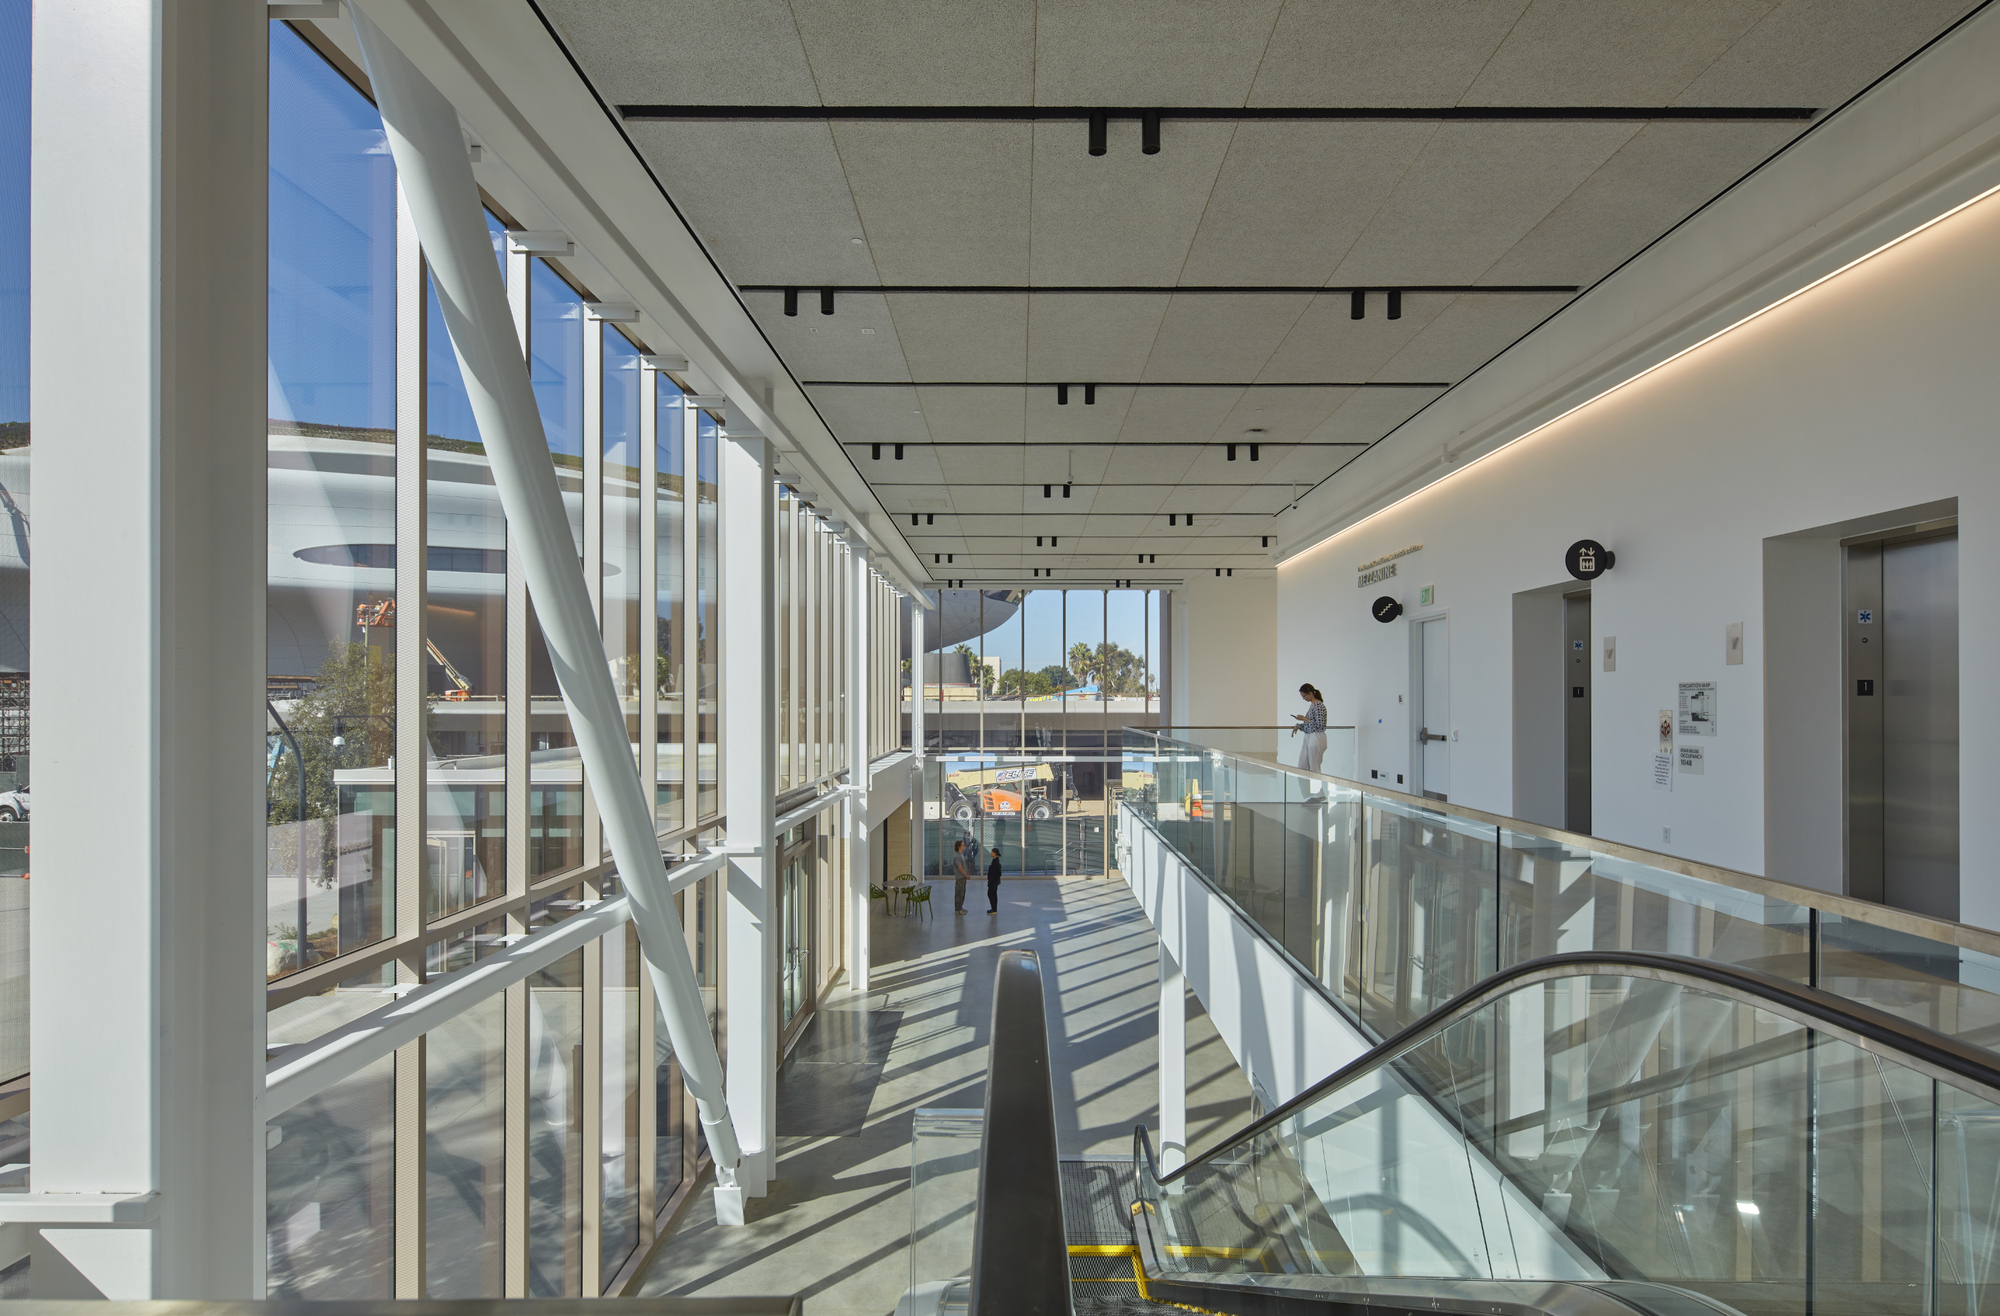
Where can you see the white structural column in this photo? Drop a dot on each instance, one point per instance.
(436, 174)
(149, 404)
(861, 621)
(750, 773)
(1173, 1062)
(919, 827)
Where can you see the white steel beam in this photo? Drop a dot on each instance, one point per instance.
(860, 855)
(749, 679)
(428, 146)
(147, 200)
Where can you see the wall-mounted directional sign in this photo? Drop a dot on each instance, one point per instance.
(1587, 559)
(1387, 608)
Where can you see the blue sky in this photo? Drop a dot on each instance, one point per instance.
(13, 209)
(1042, 626)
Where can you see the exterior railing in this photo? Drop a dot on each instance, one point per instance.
(1394, 905)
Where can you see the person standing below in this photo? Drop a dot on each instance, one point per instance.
(1313, 723)
(993, 883)
(963, 863)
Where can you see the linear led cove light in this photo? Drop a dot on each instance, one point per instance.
(1662, 364)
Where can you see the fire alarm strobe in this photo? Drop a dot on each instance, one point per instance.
(1587, 559)
(1387, 609)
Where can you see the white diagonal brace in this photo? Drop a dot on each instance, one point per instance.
(429, 149)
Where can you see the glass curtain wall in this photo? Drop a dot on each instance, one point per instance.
(538, 1097)
(1026, 693)
(15, 546)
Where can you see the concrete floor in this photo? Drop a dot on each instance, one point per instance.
(836, 1223)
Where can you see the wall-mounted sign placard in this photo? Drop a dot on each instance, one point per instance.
(1375, 577)
(1697, 711)
(1587, 559)
(1389, 557)
(1691, 760)
(1387, 608)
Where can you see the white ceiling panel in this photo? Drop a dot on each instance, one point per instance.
(1611, 52)
(973, 415)
(1121, 217)
(1372, 413)
(919, 52)
(1820, 52)
(1665, 173)
(1149, 52)
(769, 200)
(1222, 336)
(1178, 415)
(1291, 198)
(1476, 189)
(868, 416)
(949, 339)
(942, 202)
(1283, 414)
(1328, 343)
(1135, 462)
(1049, 422)
(1468, 335)
(819, 346)
(688, 52)
(1086, 338)
(1363, 52)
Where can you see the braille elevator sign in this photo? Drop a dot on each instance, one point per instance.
(1864, 687)
(1865, 616)
(1576, 692)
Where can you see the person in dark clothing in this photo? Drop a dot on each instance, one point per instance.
(993, 883)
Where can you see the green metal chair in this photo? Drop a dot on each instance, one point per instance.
(919, 896)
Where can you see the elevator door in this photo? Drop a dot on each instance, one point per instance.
(1902, 625)
(1576, 712)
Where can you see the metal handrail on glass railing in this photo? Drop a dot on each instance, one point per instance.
(1618, 1121)
(1394, 904)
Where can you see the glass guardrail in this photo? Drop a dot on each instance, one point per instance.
(1396, 904)
(1630, 1127)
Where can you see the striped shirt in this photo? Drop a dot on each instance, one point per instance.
(1315, 718)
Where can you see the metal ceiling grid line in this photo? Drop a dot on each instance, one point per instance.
(1122, 383)
(639, 113)
(1160, 289)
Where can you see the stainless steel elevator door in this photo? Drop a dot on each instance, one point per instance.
(1920, 726)
(1576, 712)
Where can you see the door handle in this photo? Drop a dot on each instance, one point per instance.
(1424, 733)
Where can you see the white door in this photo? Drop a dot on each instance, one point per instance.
(1436, 708)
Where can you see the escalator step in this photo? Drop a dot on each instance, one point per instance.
(1097, 1200)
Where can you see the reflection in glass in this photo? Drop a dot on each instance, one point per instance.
(670, 601)
(620, 579)
(465, 616)
(465, 1145)
(555, 769)
(708, 637)
(787, 564)
(620, 1137)
(330, 591)
(329, 1170)
(555, 1130)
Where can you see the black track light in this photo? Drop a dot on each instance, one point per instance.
(791, 301)
(1100, 128)
(937, 559)
(948, 557)
(1232, 452)
(1396, 304)
(1054, 540)
(1253, 453)
(913, 518)
(826, 301)
(1267, 541)
(1152, 557)
(899, 452)
(1048, 491)
(1090, 395)
(930, 518)
(1062, 395)
(1065, 491)
(1218, 571)
(1038, 541)
(875, 452)
(1149, 132)
(1357, 304)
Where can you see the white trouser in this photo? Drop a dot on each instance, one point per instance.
(1313, 751)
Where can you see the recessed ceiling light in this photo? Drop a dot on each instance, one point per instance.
(1257, 430)
(855, 241)
(867, 331)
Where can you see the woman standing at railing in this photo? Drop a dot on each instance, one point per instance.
(1313, 723)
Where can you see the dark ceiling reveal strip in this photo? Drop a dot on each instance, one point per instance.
(1103, 290)
(1238, 113)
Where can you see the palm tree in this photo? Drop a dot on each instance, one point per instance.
(1083, 661)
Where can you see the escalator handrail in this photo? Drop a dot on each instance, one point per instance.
(1020, 1258)
(1937, 1055)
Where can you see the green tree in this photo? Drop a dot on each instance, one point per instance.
(352, 701)
(1018, 684)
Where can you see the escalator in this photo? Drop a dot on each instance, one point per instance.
(1601, 1132)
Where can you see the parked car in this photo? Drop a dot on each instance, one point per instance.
(14, 805)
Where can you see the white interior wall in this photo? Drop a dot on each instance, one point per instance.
(1230, 629)
(1870, 392)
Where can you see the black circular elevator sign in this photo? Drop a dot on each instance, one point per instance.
(1387, 609)
(1587, 559)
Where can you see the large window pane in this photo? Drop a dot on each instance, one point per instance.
(330, 578)
(787, 563)
(465, 581)
(620, 580)
(709, 636)
(555, 770)
(466, 1135)
(555, 1130)
(620, 1139)
(670, 602)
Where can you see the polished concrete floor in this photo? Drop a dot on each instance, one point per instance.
(835, 1226)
